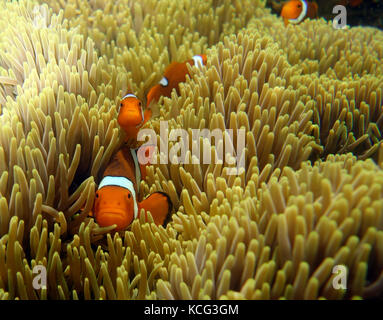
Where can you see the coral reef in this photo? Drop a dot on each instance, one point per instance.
(309, 98)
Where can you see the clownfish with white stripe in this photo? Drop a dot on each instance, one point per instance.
(174, 74)
(131, 116)
(295, 11)
(116, 199)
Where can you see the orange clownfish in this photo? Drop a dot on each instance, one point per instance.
(116, 199)
(295, 11)
(131, 116)
(174, 74)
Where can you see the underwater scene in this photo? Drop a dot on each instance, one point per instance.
(191, 150)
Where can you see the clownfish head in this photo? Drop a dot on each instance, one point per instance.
(130, 115)
(115, 203)
(174, 74)
(294, 11)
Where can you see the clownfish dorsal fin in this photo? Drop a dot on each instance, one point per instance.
(302, 15)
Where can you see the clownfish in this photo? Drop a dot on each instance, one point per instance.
(131, 116)
(295, 11)
(116, 199)
(174, 74)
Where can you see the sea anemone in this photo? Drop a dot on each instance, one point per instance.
(309, 99)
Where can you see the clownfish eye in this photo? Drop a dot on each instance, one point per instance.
(299, 5)
(97, 195)
(121, 104)
(129, 195)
